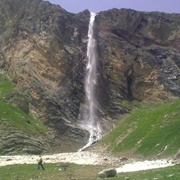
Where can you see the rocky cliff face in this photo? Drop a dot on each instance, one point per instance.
(43, 51)
(139, 56)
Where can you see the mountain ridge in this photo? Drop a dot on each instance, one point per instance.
(43, 52)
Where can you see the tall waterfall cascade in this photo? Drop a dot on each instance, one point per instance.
(89, 115)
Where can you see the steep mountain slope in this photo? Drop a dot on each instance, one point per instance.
(150, 131)
(20, 132)
(43, 52)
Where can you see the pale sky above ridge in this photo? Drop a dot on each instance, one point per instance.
(75, 6)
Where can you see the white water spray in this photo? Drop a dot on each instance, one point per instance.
(90, 112)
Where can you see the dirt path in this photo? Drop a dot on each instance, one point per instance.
(94, 158)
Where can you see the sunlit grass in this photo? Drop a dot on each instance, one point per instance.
(151, 130)
(17, 119)
(81, 172)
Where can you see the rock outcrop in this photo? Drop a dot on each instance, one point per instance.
(139, 56)
(43, 51)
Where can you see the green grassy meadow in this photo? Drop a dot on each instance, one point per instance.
(81, 172)
(152, 130)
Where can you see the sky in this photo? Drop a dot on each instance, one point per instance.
(75, 6)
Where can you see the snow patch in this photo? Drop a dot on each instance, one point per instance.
(144, 165)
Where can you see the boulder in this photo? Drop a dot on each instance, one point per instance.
(107, 173)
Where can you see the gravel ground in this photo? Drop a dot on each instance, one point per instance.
(122, 164)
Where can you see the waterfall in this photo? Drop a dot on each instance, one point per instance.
(89, 116)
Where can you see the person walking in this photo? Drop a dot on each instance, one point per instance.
(40, 163)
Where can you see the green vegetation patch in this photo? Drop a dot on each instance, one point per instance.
(13, 116)
(81, 172)
(152, 130)
(51, 172)
(16, 118)
(6, 86)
